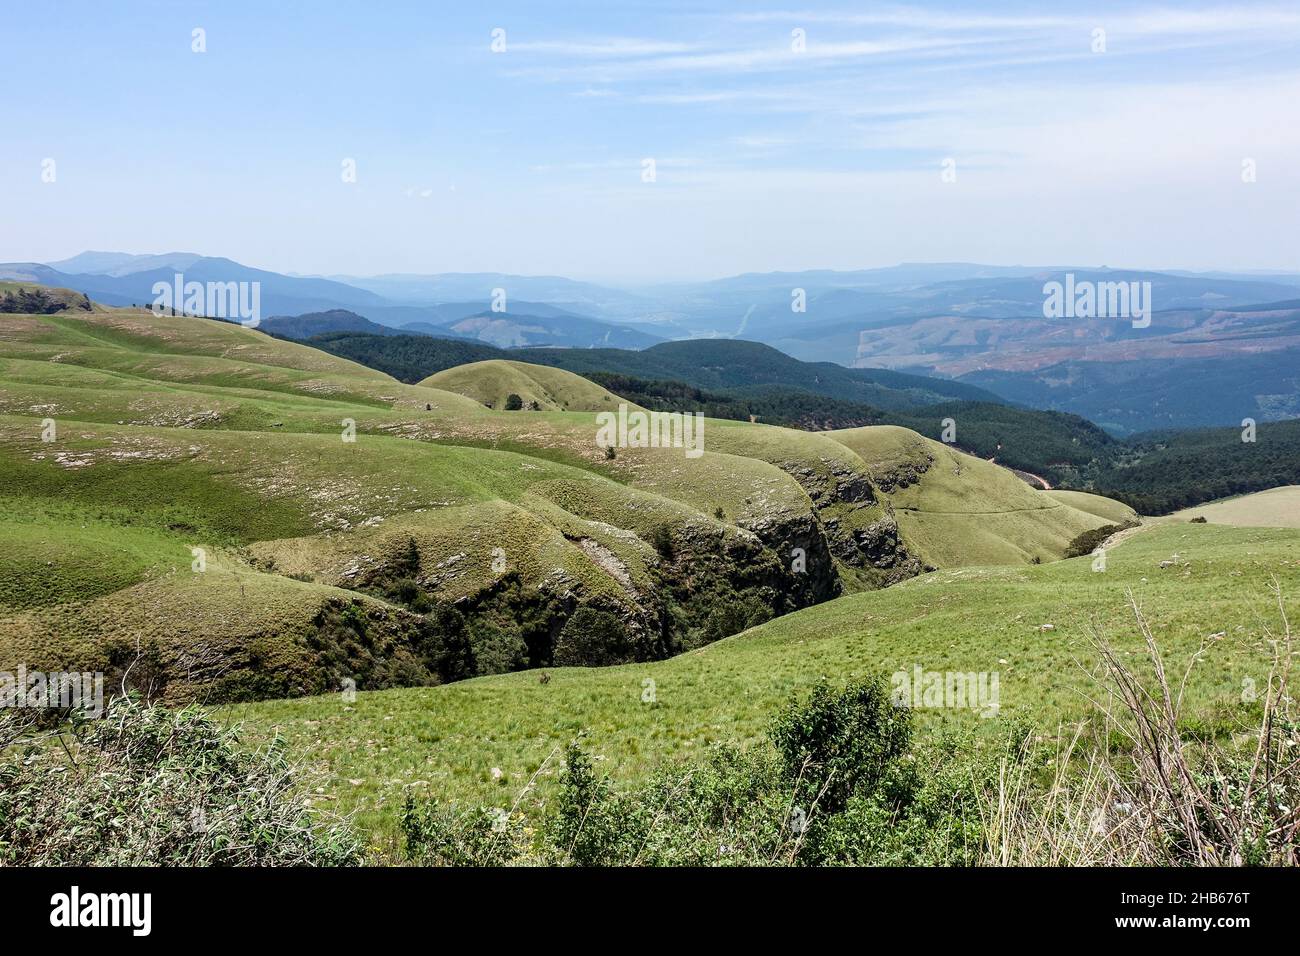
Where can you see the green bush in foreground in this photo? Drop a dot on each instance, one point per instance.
(842, 783)
(150, 786)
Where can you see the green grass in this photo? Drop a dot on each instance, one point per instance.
(129, 367)
(955, 509)
(39, 567)
(177, 433)
(1275, 508)
(445, 741)
(495, 380)
(1112, 511)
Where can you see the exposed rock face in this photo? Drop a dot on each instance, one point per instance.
(902, 474)
(857, 523)
(882, 548)
(805, 572)
(837, 484)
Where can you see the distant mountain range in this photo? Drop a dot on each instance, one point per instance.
(466, 311)
(280, 294)
(545, 326)
(980, 324)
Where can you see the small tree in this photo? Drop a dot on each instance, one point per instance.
(840, 743)
(513, 402)
(592, 638)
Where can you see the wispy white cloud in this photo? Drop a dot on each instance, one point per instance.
(760, 142)
(612, 47)
(742, 60)
(1157, 20)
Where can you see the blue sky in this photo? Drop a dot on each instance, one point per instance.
(766, 157)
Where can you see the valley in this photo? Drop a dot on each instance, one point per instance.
(410, 534)
(257, 520)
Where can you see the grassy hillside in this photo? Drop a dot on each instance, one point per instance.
(955, 509)
(747, 381)
(549, 389)
(1052, 444)
(446, 741)
(1114, 512)
(28, 298)
(213, 514)
(1275, 508)
(1156, 473)
(355, 527)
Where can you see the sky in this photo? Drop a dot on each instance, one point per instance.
(836, 136)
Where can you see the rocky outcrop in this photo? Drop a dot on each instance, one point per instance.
(806, 572)
(37, 301)
(857, 523)
(902, 474)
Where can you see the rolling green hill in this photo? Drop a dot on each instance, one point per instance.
(747, 381)
(208, 513)
(539, 387)
(1113, 511)
(955, 509)
(244, 517)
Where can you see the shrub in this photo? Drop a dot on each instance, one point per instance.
(151, 786)
(1088, 541)
(661, 539)
(587, 828)
(838, 784)
(728, 810)
(513, 402)
(838, 743)
(733, 616)
(926, 811)
(496, 649)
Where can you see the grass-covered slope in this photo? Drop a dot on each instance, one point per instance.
(1115, 512)
(1275, 508)
(482, 740)
(551, 389)
(955, 509)
(382, 559)
(356, 527)
(28, 298)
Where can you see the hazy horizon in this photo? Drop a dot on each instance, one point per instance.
(647, 282)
